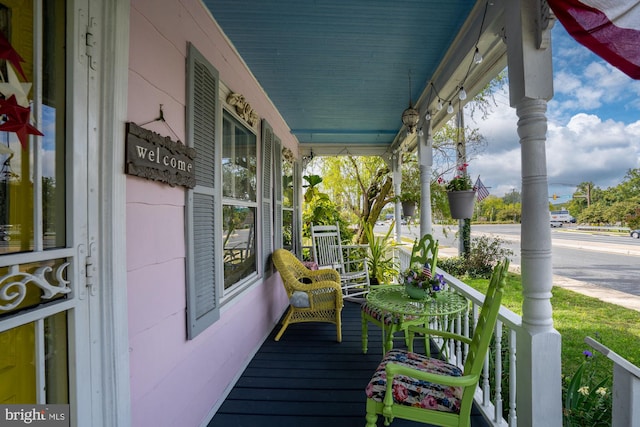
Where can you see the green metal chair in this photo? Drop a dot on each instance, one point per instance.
(415, 387)
(424, 252)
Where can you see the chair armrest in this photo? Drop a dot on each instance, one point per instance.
(394, 369)
(322, 284)
(438, 333)
(324, 274)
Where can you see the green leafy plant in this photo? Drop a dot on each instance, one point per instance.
(408, 197)
(586, 403)
(460, 182)
(319, 209)
(410, 188)
(484, 255)
(380, 259)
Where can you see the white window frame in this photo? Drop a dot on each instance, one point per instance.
(250, 278)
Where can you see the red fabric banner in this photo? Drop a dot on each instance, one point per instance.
(609, 28)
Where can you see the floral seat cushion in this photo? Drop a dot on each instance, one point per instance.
(385, 317)
(412, 392)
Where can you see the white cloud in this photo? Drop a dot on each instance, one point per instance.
(584, 148)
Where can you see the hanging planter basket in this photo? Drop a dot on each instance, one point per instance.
(408, 208)
(461, 203)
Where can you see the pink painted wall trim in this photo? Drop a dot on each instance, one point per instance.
(175, 381)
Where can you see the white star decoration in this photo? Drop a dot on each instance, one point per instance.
(15, 87)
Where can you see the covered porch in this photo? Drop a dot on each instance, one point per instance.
(308, 379)
(334, 96)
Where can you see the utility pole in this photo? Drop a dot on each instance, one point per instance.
(587, 196)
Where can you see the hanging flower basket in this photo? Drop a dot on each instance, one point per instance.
(408, 208)
(461, 203)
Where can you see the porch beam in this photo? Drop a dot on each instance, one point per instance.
(539, 394)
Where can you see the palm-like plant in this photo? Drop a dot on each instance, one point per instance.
(380, 257)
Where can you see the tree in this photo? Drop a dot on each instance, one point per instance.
(488, 208)
(512, 197)
(615, 205)
(319, 209)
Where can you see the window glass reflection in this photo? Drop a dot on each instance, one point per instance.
(239, 243)
(239, 161)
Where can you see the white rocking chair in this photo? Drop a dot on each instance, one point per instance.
(328, 253)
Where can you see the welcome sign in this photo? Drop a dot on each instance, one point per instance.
(159, 158)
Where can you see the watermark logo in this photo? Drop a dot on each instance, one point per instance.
(34, 415)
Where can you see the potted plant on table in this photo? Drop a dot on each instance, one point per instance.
(461, 193)
(420, 284)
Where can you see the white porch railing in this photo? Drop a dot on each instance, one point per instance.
(496, 394)
(626, 388)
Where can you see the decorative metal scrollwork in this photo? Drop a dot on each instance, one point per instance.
(13, 285)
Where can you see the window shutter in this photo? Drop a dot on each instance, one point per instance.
(202, 264)
(267, 212)
(297, 214)
(277, 192)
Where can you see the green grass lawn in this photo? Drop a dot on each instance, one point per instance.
(577, 316)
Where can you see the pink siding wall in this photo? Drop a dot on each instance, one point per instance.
(175, 382)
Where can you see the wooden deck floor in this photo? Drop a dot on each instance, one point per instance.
(307, 379)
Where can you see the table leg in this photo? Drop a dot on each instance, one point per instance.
(365, 333)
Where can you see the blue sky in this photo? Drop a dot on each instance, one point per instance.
(593, 126)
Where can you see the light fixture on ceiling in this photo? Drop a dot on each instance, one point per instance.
(427, 116)
(410, 116)
(477, 57)
(450, 108)
(439, 106)
(462, 95)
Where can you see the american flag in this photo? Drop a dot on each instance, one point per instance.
(481, 190)
(611, 29)
(426, 270)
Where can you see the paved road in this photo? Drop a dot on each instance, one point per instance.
(597, 264)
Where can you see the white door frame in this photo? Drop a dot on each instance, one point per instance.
(108, 91)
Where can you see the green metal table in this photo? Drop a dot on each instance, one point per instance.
(406, 311)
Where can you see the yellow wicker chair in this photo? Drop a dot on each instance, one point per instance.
(314, 295)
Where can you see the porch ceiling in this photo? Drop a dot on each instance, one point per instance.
(338, 70)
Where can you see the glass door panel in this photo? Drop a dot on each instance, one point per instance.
(32, 148)
(25, 369)
(36, 283)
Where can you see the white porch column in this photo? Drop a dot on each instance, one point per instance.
(539, 394)
(396, 170)
(425, 159)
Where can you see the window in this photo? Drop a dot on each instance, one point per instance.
(239, 203)
(287, 203)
